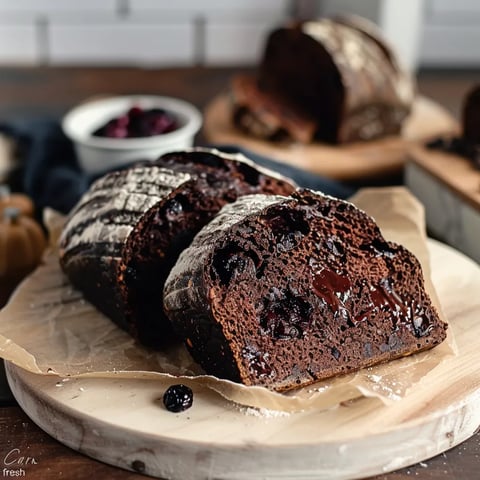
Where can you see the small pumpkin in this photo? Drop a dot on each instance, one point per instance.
(22, 243)
(18, 200)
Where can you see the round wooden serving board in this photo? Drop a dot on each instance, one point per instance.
(123, 422)
(352, 162)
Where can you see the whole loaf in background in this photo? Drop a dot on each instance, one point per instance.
(334, 80)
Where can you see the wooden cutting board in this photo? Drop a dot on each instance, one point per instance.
(352, 162)
(458, 174)
(448, 186)
(123, 422)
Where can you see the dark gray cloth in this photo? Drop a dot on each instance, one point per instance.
(49, 172)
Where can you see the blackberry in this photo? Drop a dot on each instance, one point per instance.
(137, 123)
(178, 398)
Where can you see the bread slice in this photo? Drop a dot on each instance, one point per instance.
(282, 292)
(127, 231)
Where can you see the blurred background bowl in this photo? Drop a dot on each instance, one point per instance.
(98, 154)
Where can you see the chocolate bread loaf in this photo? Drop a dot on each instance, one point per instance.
(340, 73)
(282, 292)
(127, 231)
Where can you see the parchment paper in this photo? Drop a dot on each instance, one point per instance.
(48, 328)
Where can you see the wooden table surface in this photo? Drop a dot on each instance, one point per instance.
(27, 451)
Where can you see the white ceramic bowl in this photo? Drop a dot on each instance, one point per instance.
(98, 154)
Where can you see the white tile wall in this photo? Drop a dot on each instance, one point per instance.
(129, 32)
(114, 44)
(238, 35)
(209, 5)
(444, 45)
(443, 9)
(18, 44)
(239, 43)
(48, 6)
(451, 34)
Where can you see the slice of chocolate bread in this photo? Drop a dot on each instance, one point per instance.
(127, 231)
(282, 292)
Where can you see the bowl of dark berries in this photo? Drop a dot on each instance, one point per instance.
(112, 132)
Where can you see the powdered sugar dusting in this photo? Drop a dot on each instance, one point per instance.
(109, 210)
(263, 412)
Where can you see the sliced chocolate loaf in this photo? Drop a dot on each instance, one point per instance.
(282, 292)
(339, 73)
(127, 231)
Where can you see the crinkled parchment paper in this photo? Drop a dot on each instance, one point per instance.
(47, 328)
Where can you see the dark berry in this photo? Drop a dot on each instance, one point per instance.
(288, 228)
(135, 111)
(131, 274)
(232, 261)
(178, 398)
(230, 267)
(123, 121)
(138, 466)
(378, 247)
(173, 208)
(335, 353)
(116, 131)
(284, 316)
(258, 361)
(138, 123)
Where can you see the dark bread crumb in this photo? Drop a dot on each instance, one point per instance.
(282, 292)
